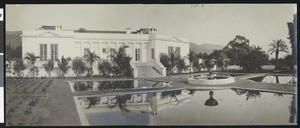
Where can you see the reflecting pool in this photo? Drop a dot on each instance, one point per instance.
(279, 79)
(192, 107)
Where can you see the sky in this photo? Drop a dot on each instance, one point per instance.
(203, 23)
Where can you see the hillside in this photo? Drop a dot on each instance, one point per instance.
(13, 38)
(208, 48)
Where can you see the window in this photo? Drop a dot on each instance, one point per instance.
(170, 49)
(177, 52)
(112, 53)
(103, 50)
(43, 52)
(54, 52)
(86, 51)
(137, 54)
(152, 53)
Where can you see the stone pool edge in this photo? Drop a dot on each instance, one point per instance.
(83, 119)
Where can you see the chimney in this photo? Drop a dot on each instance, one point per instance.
(128, 31)
(58, 27)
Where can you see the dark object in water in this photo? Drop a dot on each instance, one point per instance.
(211, 101)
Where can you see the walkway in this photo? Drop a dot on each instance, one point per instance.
(59, 109)
(249, 76)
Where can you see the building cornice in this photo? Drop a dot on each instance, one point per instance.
(116, 39)
(35, 36)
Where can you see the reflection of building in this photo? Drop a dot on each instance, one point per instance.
(293, 37)
(145, 46)
(153, 101)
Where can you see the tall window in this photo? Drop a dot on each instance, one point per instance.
(112, 53)
(170, 49)
(86, 51)
(54, 55)
(137, 54)
(43, 52)
(152, 53)
(103, 50)
(177, 52)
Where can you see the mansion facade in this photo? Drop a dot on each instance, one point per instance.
(145, 47)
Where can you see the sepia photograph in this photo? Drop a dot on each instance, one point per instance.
(150, 64)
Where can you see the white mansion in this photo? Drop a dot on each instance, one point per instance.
(145, 46)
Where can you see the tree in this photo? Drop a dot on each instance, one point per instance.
(221, 58)
(277, 46)
(79, 66)
(104, 68)
(32, 59)
(288, 59)
(254, 59)
(91, 58)
(19, 67)
(236, 48)
(63, 65)
(192, 57)
(169, 61)
(121, 62)
(197, 66)
(49, 67)
(181, 65)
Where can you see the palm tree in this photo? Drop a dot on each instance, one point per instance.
(169, 61)
(277, 46)
(78, 66)
(192, 57)
(104, 68)
(121, 62)
(49, 67)
(31, 58)
(91, 58)
(63, 65)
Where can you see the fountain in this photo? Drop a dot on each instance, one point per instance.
(211, 79)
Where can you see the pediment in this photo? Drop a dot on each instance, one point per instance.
(48, 34)
(174, 39)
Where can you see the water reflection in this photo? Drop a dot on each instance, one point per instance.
(120, 102)
(250, 94)
(172, 94)
(112, 85)
(93, 101)
(192, 91)
(83, 86)
(211, 101)
(164, 107)
(278, 94)
(280, 79)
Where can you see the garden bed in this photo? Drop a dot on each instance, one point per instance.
(25, 98)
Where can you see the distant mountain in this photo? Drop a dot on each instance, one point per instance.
(13, 38)
(208, 48)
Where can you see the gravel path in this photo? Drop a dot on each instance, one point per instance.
(59, 109)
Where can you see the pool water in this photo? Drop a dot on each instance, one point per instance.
(192, 107)
(278, 79)
(112, 85)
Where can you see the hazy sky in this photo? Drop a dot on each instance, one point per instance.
(211, 23)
